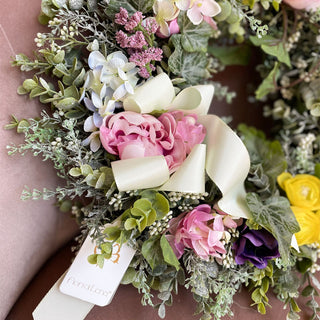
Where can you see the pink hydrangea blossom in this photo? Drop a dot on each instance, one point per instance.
(199, 230)
(142, 58)
(134, 21)
(134, 135)
(150, 25)
(121, 17)
(136, 41)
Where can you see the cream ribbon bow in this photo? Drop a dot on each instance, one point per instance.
(223, 156)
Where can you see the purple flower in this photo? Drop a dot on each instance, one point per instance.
(256, 246)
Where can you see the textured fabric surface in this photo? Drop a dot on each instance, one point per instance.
(30, 231)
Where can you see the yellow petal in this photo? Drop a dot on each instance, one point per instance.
(282, 178)
(309, 223)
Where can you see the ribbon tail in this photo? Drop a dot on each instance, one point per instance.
(227, 164)
(56, 305)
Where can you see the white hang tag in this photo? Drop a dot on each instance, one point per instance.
(90, 283)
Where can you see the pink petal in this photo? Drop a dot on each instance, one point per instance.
(195, 15)
(218, 223)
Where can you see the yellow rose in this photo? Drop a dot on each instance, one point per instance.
(303, 190)
(309, 223)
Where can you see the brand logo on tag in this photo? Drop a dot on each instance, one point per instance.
(93, 284)
(115, 252)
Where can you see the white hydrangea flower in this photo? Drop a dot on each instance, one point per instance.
(110, 79)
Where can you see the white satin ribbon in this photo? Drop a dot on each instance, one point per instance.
(158, 94)
(140, 173)
(58, 306)
(227, 161)
(227, 164)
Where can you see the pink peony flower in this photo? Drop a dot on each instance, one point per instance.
(199, 230)
(134, 135)
(303, 4)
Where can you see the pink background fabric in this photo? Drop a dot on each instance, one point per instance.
(30, 231)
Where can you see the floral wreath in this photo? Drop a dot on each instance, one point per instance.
(127, 88)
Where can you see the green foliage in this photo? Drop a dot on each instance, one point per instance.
(194, 38)
(269, 84)
(235, 55)
(267, 159)
(275, 215)
(273, 47)
(207, 278)
(101, 178)
(260, 283)
(132, 6)
(189, 65)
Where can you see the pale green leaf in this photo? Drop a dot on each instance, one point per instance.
(129, 276)
(75, 172)
(67, 103)
(272, 46)
(92, 259)
(269, 83)
(168, 254)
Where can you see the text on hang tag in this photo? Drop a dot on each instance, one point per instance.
(90, 283)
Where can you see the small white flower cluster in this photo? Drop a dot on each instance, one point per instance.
(56, 143)
(40, 39)
(116, 200)
(110, 79)
(227, 259)
(184, 200)
(315, 267)
(160, 226)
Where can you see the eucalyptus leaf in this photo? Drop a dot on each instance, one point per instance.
(168, 254)
(67, 103)
(129, 276)
(276, 216)
(152, 252)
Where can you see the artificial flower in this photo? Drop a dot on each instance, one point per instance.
(303, 190)
(202, 8)
(255, 246)
(303, 4)
(309, 223)
(182, 4)
(165, 11)
(134, 135)
(199, 230)
(114, 71)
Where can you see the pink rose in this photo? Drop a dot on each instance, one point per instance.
(134, 135)
(303, 4)
(199, 230)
